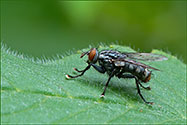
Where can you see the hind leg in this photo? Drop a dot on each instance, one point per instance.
(137, 85)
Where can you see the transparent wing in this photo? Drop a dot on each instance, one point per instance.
(121, 62)
(145, 56)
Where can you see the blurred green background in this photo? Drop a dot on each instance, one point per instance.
(49, 27)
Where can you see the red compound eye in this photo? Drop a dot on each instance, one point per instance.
(92, 54)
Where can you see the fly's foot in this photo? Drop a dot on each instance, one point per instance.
(68, 77)
(148, 88)
(151, 103)
(102, 96)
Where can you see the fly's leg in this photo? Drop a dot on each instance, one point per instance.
(106, 85)
(148, 88)
(137, 85)
(82, 73)
(83, 69)
(139, 92)
(78, 70)
(132, 76)
(98, 68)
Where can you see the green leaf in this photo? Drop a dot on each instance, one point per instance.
(38, 92)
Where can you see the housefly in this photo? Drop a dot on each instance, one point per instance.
(121, 65)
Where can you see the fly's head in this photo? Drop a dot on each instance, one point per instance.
(92, 55)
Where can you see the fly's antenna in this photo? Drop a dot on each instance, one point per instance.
(84, 53)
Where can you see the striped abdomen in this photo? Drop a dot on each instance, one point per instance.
(142, 73)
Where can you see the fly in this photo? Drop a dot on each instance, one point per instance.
(121, 65)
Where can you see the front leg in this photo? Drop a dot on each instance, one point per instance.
(98, 68)
(83, 69)
(82, 72)
(78, 70)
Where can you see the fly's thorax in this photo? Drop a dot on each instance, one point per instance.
(104, 59)
(111, 54)
(108, 66)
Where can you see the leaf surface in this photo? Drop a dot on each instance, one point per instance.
(34, 92)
